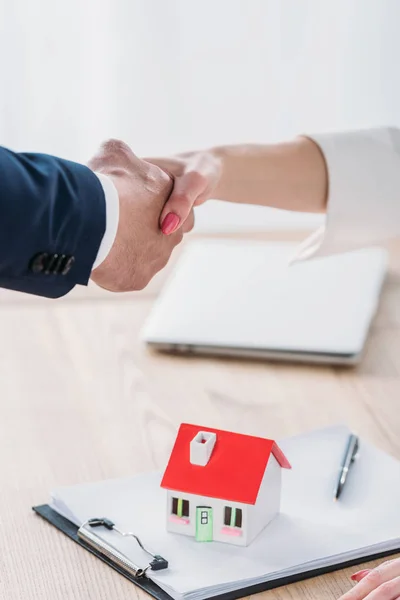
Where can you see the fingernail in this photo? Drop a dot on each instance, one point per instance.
(360, 575)
(170, 223)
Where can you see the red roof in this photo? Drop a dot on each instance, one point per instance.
(234, 471)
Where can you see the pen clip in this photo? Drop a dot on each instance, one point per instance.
(349, 458)
(355, 451)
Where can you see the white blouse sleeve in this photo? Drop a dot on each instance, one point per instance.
(363, 194)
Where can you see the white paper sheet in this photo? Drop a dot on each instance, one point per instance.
(311, 528)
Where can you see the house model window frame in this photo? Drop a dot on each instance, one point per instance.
(180, 507)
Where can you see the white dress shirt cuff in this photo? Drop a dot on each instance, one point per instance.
(363, 191)
(112, 218)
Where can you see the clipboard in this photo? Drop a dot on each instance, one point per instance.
(144, 582)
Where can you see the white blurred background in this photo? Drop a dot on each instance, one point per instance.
(171, 75)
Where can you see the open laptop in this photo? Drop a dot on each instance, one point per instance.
(240, 298)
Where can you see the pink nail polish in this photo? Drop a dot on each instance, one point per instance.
(360, 575)
(170, 223)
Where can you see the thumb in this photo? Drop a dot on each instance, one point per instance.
(179, 205)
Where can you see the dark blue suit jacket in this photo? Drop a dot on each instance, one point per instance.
(52, 221)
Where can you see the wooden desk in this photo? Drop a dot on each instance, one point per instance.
(70, 412)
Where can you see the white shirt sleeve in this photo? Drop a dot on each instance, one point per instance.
(363, 191)
(112, 218)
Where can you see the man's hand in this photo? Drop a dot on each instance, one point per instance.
(140, 249)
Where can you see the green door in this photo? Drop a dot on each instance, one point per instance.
(204, 524)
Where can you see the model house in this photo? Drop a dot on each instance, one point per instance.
(222, 486)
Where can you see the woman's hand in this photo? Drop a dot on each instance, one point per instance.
(196, 176)
(382, 583)
(289, 176)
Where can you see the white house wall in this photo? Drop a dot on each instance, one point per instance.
(268, 500)
(254, 517)
(218, 507)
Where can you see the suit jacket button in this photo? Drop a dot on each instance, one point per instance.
(68, 265)
(59, 264)
(51, 262)
(38, 262)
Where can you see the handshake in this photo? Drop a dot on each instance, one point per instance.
(155, 211)
(157, 196)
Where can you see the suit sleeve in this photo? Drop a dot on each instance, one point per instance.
(363, 191)
(52, 221)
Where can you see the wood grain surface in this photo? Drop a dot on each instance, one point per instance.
(82, 400)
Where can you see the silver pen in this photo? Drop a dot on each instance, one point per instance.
(347, 461)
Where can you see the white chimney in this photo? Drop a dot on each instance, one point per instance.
(201, 448)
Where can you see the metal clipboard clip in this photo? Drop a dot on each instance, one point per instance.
(89, 537)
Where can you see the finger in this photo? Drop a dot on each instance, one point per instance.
(172, 165)
(169, 242)
(176, 238)
(360, 575)
(201, 199)
(390, 590)
(189, 223)
(176, 210)
(166, 246)
(373, 580)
